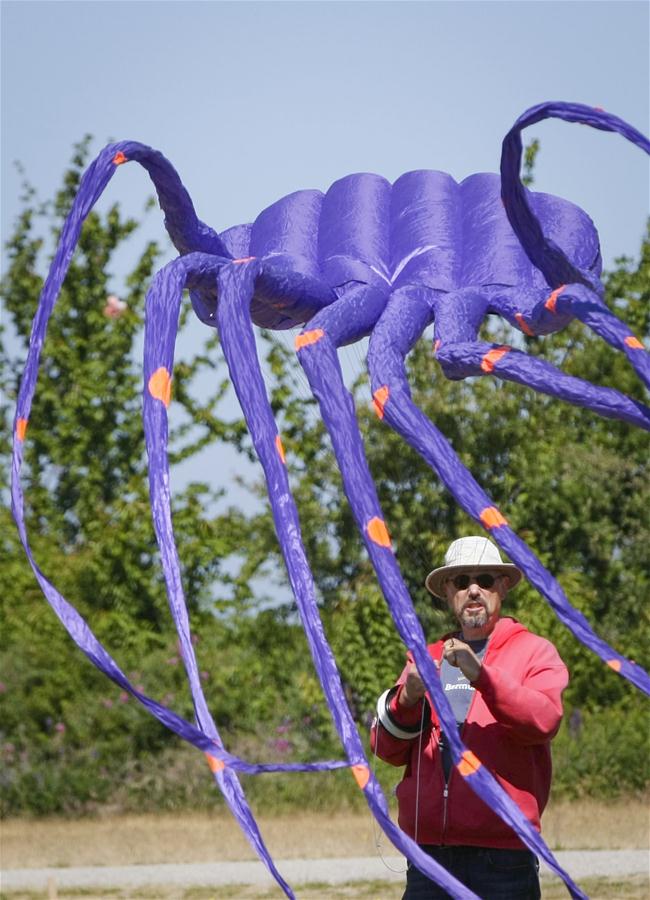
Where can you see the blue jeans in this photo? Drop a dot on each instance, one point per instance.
(491, 873)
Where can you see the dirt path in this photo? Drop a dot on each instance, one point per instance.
(580, 863)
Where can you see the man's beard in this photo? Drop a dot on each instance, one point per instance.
(475, 618)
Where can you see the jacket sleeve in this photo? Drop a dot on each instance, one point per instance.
(530, 707)
(395, 728)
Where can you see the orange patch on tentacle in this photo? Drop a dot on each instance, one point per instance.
(244, 259)
(614, 664)
(380, 399)
(378, 532)
(309, 337)
(551, 301)
(361, 775)
(160, 385)
(119, 158)
(492, 357)
(279, 447)
(491, 517)
(216, 765)
(21, 429)
(634, 343)
(523, 324)
(437, 345)
(469, 763)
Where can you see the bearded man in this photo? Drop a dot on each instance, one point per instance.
(505, 686)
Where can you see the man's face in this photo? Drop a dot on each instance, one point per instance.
(475, 599)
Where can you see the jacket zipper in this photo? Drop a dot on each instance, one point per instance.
(445, 797)
(445, 792)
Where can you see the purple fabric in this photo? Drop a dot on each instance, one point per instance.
(364, 258)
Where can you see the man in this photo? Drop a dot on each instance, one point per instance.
(505, 686)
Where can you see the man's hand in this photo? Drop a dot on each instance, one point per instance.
(459, 654)
(413, 689)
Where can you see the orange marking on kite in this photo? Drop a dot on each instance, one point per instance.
(309, 337)
(21, 429)
(280, 448)
(599, 109)
(551, 301)
(361, 775)
(437, 345)
(378, 532)
(244, 259)
(491, 517)
(634, 342)
(492, 357)
(614, 664)
(216, 765)
(523, 324)
(160, 385)
(380, 399)
(469, 763)
(119, 158)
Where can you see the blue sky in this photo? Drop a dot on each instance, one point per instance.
(251, 101)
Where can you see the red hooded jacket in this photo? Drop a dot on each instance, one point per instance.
(515, 711)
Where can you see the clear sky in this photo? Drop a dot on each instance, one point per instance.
(253, 100)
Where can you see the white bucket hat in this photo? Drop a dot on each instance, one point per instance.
(467, 555)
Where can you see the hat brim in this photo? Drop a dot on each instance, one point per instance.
(435, 581)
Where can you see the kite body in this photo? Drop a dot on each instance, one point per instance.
(365, 259)
(425, 230)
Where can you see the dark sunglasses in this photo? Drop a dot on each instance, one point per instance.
(484, 580)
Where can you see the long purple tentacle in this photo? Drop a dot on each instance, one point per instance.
(586, 305)
(329, 329)
(401, 413)
(236, 285)
(460, 360)
(541, 250)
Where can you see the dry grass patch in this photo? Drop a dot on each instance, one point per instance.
(598, 824)
(188, 838)
(633, 888)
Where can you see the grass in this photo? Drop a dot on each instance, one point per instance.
(200, 837)
(633, 888)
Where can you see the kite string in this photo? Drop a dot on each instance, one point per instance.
(377, 833)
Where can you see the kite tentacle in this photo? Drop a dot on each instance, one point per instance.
(589, 309)
(537, 312)
(236, 286)
(408, 420)
(460, 360)
(186, 231)
(320, 362)
(541, 250)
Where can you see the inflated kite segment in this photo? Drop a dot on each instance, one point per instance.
(367, 258)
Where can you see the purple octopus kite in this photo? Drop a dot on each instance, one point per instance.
(366, 258)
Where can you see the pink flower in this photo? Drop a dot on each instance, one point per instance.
(3, 687)
(204, 676)
(124, 697)
(107, 702)
(114, 307)
(172, 661)
(60, 727)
